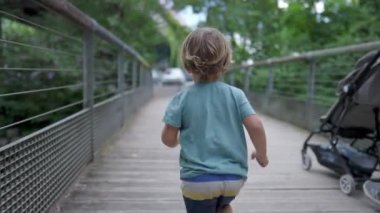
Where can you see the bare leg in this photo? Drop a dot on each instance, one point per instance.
(225, 209)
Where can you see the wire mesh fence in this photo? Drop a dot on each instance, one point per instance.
(40, 70)
(299, 88)
(65, 90)
(330, 71)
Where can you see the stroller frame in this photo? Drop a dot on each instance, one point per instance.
(348, 180)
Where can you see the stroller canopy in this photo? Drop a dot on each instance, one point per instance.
(359, 95)
(368, 93)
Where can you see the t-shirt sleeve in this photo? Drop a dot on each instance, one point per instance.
(244, 106)
(173, 113)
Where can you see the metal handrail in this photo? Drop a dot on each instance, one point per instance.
(37, 168)
(40, 26)
(42, 90)
(42, 115)
(312, 55)
(314, 93)
(39, 47)
(104, 94)
(38, 69)
(68, 10)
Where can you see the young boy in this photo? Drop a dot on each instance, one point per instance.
(209, 117)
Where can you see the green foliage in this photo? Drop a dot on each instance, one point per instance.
(267, 31)
(175, 34)
(129, 20)
(257, 30)
(45, 51)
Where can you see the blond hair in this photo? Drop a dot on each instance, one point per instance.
(206, 54)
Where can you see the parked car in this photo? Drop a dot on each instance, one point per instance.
(173, 76)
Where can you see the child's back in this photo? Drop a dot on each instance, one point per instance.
(209, 118)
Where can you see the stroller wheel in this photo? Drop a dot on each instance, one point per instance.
(347, 184)
(306, 161)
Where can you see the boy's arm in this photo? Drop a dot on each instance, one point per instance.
(256, 132)
(169, 136)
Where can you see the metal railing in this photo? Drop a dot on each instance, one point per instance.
(299, 88)
(77, 84)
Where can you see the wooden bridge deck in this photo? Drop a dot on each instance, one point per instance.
(136, 173)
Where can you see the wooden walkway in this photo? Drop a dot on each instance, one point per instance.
(136, 173)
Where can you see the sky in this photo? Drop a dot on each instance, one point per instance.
(319, 5)
(187, 17)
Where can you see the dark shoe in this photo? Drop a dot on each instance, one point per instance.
(372, 191)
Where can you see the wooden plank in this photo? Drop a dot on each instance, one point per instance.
(138, 174)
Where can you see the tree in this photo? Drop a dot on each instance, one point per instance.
(50, 59)
(260, 30)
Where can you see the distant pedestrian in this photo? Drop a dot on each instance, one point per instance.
(209, 118)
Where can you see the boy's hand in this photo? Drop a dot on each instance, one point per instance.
(261, 159)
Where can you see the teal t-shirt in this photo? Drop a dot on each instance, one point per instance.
(210, 116)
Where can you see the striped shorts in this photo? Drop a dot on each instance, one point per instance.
(207, 193)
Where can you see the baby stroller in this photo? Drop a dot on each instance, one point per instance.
(354, 118)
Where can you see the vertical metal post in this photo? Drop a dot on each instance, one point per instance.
(141, 75)
(121, 82)
(2, 45)
(310, 93)
(149, 80)
(247, 80)
(311, 82)
(138, 74)
(2, 64)
(126, 75)
(120, 72)
(134, 74)
(150, 77)
(138, 84)
(88, 82)
(232, 78)
(148, 74)
(270, 85)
